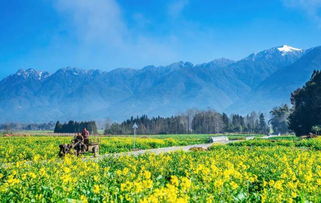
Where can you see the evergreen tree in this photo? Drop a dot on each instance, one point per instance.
(279, 120)
(226, 122)
(75, 127)
(262, 124)
(58, 127)
(306, 106)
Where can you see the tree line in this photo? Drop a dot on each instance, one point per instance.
(193, 121)
(75, 127)
(27, 126)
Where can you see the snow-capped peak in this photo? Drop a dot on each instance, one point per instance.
(286, 48)
(32, 73)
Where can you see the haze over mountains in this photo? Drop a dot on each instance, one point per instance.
(258, 82)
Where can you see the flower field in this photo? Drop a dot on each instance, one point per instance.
(283, 141)
(267, 173)
(14, 149)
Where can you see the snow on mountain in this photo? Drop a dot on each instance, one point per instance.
(281, 52)
(32, 74)
(286, 49)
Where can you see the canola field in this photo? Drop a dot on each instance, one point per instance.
(14, 149)
(256, 171)
(45, 147)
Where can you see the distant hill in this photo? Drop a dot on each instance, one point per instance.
(257, 82)
(277, 88)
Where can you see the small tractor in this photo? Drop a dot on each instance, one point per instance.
(78, 147)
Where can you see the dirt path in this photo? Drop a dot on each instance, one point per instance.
(161, 150)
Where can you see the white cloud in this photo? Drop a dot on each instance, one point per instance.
(311, 7)
(176, 8)
(95, 20)
(100, 27)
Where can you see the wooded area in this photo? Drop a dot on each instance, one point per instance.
(75, 127)
(27, 126)
(193, 121)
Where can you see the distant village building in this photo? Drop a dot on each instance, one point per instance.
(219, 139)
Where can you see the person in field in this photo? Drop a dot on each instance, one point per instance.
(85, 135)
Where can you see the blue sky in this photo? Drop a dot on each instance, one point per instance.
(107, 34)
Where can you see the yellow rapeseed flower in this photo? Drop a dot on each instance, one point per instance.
(174, 180)
(83, 199)
(96, 189)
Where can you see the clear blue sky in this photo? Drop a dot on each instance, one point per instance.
(107, 34)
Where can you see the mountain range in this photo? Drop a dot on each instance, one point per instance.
(256, 83)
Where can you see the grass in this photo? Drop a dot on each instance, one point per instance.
(202, 137)
(31, 132)
(285, 137)
(287, 141)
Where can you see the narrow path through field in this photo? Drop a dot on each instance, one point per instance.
(162, 150)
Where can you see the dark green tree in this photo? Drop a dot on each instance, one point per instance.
(91, 127)
(263, 128)
(58, 127)
(76, 127)
(306, 103)
(226, 122)
(279, 120)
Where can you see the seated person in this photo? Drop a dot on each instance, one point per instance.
(85, 134)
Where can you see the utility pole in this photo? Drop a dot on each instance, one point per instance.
(135, 126)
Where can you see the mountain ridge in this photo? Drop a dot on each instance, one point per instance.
(79, 94)
(277, 88)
